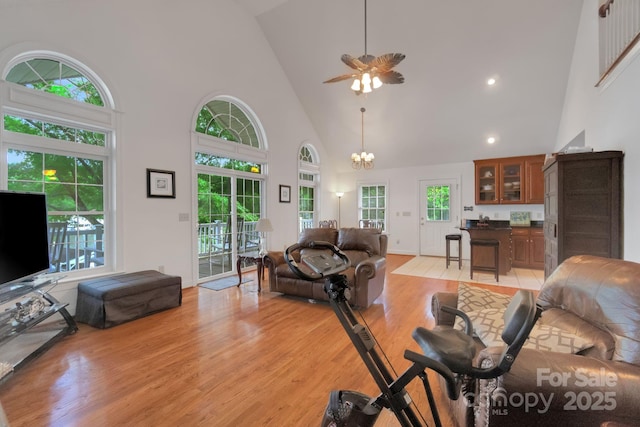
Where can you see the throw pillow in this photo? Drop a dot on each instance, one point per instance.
(488, 325)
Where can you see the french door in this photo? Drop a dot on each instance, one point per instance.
(439, 214)
(228, 209)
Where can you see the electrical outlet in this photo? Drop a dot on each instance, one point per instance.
(496, 215)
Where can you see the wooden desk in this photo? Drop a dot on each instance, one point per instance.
(253, 259)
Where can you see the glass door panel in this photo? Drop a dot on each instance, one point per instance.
(228, 211)
(486, 180)
(511, 182)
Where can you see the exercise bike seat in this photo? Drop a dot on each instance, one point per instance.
(451, 352)
(451, 347)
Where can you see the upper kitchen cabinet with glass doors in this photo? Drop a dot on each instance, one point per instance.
(505, 180)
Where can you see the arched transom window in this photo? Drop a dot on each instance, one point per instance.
(225, 120)
(56, 77)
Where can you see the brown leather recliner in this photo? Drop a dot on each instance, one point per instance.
(594, 298)
(366, 249)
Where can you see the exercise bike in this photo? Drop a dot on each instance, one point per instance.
(447, 351)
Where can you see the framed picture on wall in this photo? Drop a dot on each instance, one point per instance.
(285, 194)
(161, 183)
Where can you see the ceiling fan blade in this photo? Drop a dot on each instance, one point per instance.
(391, 77)
(352, 62)
(340, 78)
(387, 61)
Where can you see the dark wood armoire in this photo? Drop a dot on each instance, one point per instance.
(582, 206)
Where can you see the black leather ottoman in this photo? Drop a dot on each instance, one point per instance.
(112, 300)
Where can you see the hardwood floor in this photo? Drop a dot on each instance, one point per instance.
(224, 358)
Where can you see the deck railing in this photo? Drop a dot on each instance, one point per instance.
(214, 237)
(619, 27)
(82, 249)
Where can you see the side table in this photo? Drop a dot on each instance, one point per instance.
(252, 258)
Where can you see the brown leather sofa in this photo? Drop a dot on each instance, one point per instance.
(366, 249)
(594, 298)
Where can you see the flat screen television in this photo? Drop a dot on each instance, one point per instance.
(24, 240)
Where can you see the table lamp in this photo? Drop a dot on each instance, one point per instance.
(263, 226)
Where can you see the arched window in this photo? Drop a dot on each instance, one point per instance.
(230, 163)
(308, 181)
(62, 149)
(225, 120)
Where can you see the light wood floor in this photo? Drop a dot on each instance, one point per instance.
(224, 358)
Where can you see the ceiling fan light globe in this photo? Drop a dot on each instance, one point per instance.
(366, 79)
(366, 88)
(376, 82)
(356, 85)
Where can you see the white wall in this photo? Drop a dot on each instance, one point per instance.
(161, 60)
(608, 117)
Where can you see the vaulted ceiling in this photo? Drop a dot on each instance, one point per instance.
(444, 111)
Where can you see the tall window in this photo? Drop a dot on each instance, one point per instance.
(307, 187)
(64, 150)
(373, 206)
(230, 161)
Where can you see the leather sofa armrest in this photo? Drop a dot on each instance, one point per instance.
(370, 266)
(444, 298)
(273, 258)
(558, 387)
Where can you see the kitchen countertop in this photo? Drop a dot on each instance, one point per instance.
(472, 224)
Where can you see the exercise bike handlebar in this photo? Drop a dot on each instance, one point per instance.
(313, 273)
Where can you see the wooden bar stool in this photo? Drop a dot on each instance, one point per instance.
(495, 267)
(458, 238)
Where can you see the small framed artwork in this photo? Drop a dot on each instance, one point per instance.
(161, 183)
(285, 194)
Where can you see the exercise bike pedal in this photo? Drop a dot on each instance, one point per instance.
(347, 408)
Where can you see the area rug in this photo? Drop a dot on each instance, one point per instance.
(435, 268)
(224, 283)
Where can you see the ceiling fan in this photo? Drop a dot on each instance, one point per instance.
(371, 72)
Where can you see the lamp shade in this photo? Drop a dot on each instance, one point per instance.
(264, 225)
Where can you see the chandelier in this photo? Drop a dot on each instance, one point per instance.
(364, 159)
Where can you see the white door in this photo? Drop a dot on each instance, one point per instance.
(439, 214)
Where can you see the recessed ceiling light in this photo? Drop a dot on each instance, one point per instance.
(491, 81)
(491, 140)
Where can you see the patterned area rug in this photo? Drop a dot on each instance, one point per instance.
(224, 283)
(435, 268)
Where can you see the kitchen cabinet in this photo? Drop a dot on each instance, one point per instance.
(534, 180)
(528, 247)
(509, 180)
(582, 206)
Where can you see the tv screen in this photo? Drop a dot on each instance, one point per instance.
(24, 245)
